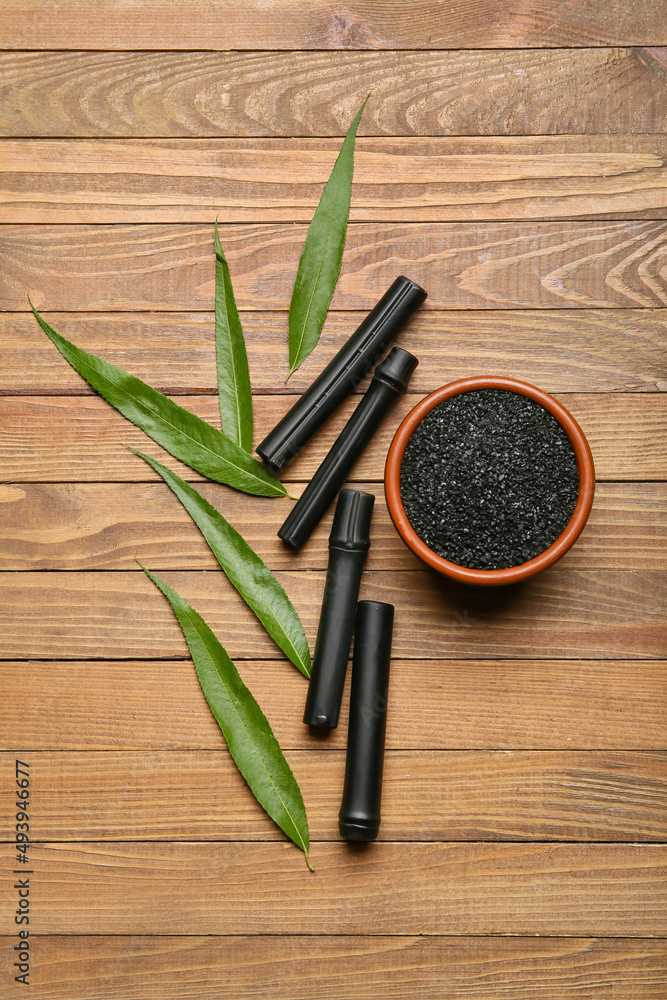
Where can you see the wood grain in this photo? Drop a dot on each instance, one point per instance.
(102, 526)
(560, 613)
(445, 796)
(566, 265)
(259, 888)
(348, 967)
(435, 705)
(590, 350)
(628, 440)
(206, 94)
(319, 24)
(512, 159)
(255, 181)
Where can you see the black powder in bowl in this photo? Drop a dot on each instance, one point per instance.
(489, 479)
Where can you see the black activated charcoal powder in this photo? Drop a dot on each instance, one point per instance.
(489, 479)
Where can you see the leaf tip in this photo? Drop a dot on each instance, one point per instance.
(310, 867)
(216, 241)
(136, 451)
(357, 117)
(34, 310)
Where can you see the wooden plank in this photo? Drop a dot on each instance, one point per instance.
(206, 94)
(559, 613)
(319, 24)
(596, 350)
(349, 967)
(628, 440)
(101, 526)
(410, 180)
(435, 704)
(454, 796)
(260, 888)
(502, 265)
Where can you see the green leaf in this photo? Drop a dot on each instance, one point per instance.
(246, 729)
(234, 391)
(322, 254)
(181, 433)
(249, 574)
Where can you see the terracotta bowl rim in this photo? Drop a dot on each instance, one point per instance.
(490, 577)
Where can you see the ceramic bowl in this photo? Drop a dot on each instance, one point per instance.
(513, 574)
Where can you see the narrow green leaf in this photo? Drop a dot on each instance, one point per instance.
(181, 433)
(234, 391)
(246, 729)
(322, 254)
(249, 574)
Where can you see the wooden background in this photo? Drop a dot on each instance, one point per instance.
(512, 160)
